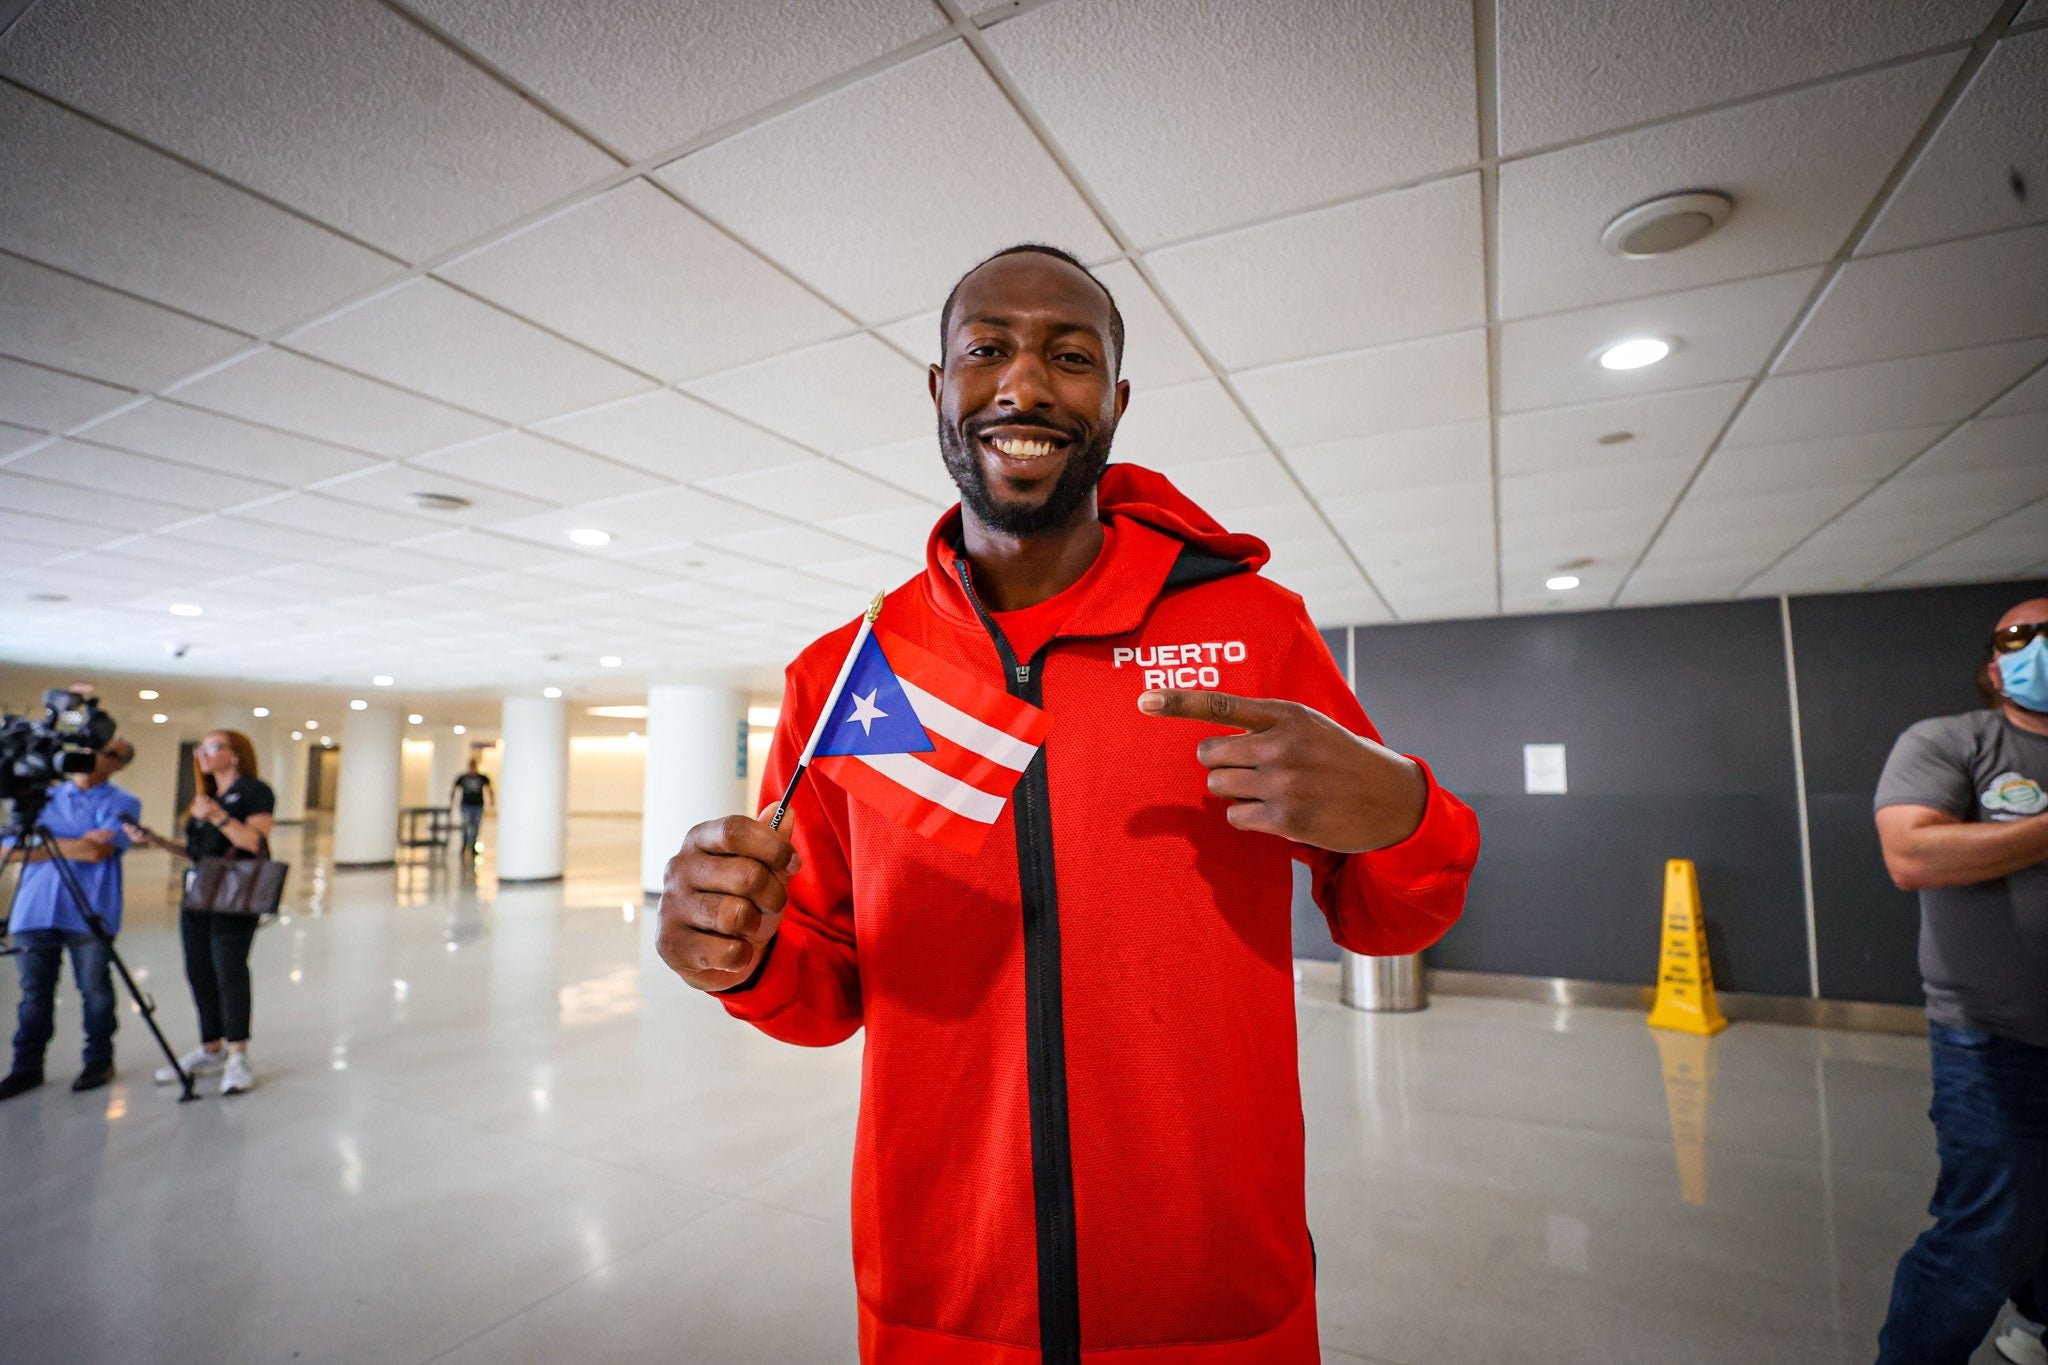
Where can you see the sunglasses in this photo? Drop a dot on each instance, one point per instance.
(2015, 638)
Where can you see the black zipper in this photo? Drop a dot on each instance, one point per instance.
(1045, 1046)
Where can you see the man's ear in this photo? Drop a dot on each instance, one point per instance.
(935, 380)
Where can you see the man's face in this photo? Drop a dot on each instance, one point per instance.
(1027, 395)
(2031, 612)
(118, 754)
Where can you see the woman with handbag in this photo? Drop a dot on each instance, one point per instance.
(230, 821)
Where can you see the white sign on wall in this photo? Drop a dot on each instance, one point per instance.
(1543, 769)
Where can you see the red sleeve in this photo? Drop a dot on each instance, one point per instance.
(1398, 899)
(807, 990)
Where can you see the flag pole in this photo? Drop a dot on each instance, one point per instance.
(860, 637)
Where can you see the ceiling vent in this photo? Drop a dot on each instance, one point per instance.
(1667, 224)
(438, 502)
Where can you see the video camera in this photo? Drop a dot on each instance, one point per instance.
(34, 753)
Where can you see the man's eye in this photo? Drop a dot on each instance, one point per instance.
(1078, 358)
(986, 348)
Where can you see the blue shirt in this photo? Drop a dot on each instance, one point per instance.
(43, 903)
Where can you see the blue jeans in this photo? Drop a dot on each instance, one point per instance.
(40, 962)
(1990, 1205)
(472, 825)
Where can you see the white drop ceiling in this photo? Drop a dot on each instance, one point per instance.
(670, 269)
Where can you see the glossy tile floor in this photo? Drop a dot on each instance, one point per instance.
(490, 1126)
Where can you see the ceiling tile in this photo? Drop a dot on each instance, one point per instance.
(67, 324)
(2029, 396)
(1786, 469)
(250, 537)
(196, 437)
(1679, 425)
(346, 110)
(50, 400)
(1934, 298)
(333, 516)
(1442, 603)
(1391, 526)
(392, 486)
(1991, 443)
(1387, 268)
(1721, 332)
(784, 547)
(2007, 547)
(434, 340)
(898, 533)
(1187, 422)
(1402, 459)
(810, 490)
(97, 467)
(112, 210)
(844, 395)
(280, 389)
(1157, 353)
(866, 202)
(642, 521)
(22, 527)
(673, 436)
(1426, 383)
(1573, 67)
(914, 465)
(537, 468)
(645, 75)
(1626, 487)
(1801, 168)
(1180, 143)
(484, 549)
(1920, 391)
(634, 274)
(13, 438)
(110, 512)
(1962, 182)
(1235, 484)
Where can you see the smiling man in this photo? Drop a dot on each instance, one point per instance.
(1080, 1126)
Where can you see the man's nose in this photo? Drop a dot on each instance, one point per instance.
(1024, 386)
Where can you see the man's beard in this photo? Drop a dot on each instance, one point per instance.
(1077, 480)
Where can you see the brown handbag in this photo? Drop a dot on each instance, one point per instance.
(236, 886)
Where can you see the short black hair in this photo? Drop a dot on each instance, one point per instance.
(1116, 318)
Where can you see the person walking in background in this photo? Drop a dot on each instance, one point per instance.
(87, 814)
(230, 818)
(1962, 813)
(473, 790)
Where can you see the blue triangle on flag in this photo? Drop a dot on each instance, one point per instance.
(872, 715)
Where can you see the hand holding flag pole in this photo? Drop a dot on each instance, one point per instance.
(860, 637)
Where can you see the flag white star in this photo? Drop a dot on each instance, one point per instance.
(866, 712)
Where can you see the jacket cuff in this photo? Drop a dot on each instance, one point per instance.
(760, 970)
(1443, 842)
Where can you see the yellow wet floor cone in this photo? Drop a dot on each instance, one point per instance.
(1685, 979)
(1688, 1064)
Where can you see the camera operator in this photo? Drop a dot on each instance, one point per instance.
(86, 814)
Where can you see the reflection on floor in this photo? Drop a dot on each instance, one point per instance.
(490, 1126)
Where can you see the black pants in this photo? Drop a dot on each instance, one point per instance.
(217, 965)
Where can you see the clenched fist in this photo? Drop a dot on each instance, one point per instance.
(722, 900)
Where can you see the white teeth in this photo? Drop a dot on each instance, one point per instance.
(1023, 450)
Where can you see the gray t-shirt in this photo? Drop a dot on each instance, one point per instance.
(1983, 947)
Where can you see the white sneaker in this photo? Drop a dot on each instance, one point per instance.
(197, 1062)
(2020, 1342)
(236, 1077)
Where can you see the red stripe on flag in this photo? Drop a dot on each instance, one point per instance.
(906, 807)
(983, 700)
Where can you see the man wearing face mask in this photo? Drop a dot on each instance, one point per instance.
(1962, 813)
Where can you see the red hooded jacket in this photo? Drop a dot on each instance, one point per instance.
(1080, 1123)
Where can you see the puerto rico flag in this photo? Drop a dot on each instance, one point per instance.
(931, 746)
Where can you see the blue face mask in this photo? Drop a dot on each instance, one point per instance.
(2023, 674)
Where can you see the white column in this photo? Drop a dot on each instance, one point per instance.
(694, 743)
(451, 758)
(366, 799)
(287, 774)
(533, 789)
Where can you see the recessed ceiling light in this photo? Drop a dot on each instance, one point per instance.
(632, 734)
(358, 704)
(381, 680)
(1563, 582)
(585, 535)
(415, 719)
(260, 712)
(159, 718)
(327, 741)
(438, 502)
(462, 729)
(312, 725)
(1634, 353)
(186, 609)
(610, 661)
(147, 694)
(1668, 223)
(551, 692)
(298, 734)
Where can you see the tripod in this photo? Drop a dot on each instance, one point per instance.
(29, 834)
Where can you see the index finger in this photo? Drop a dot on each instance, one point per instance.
(737, 836)
(1218, 708)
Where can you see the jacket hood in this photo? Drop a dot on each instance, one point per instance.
(1156, 523)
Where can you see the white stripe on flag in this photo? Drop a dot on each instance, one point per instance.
(999, 746)
(936, 787)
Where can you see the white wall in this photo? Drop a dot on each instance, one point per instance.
(415, 773)
(606, 773)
